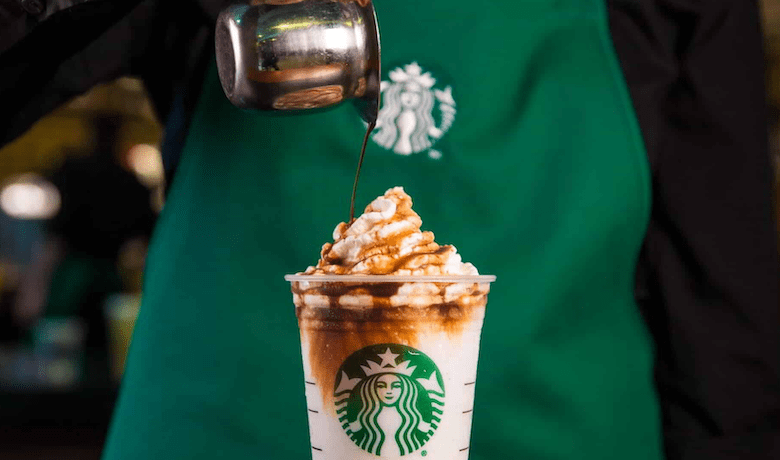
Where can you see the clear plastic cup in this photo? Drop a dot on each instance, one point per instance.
(390, 363)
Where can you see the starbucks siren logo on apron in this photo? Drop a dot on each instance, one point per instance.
(407, 121)
(389, 399)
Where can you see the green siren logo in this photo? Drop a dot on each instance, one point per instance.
(389, 399)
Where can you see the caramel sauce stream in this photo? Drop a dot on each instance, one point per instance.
(370, 128)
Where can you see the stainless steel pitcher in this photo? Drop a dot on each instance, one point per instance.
(291, 55)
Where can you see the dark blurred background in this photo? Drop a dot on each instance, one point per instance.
(79, 195)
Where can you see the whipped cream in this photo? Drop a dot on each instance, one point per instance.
(387, 240)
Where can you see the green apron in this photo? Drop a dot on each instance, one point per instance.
(509, 124)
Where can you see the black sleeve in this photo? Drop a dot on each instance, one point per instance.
(707, 281)
(47, 59)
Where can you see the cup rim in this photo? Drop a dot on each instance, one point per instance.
(392, 278)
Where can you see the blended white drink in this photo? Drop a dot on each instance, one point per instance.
(390, 325)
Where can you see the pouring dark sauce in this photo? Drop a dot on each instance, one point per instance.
(370, 128)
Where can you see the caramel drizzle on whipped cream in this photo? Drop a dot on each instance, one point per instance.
(387, 240)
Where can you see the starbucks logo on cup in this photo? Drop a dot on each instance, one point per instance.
(389, 398)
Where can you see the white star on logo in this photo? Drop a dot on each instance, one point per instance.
(445, 96)
(346, 384)
(431, 383)
(388, 358)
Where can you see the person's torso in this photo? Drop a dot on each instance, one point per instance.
(509, 125)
